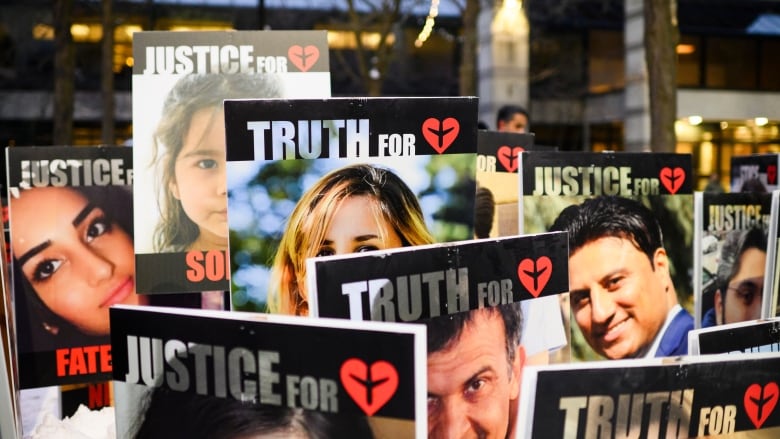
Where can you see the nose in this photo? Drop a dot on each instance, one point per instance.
(602, 305)
(222, 180)
(94, 267)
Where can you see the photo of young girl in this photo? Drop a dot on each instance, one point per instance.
(189, 151)
(180, 153)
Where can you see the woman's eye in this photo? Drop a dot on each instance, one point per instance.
(98, 227)
(366, 248)
(45, 269)
(207, 164)
(325, 252)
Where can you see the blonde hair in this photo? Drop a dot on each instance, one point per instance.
(394, 203)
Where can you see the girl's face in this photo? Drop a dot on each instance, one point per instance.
(77, 261)
(200, 180)
(355, 229)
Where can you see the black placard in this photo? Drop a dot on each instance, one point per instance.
(691, 398)
(418, 283)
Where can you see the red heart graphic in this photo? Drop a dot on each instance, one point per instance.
(760, 401)
(771, 174)
(440, 133)
(370, 387)
(303, 57)
(672, 179)
(508, 157)
(534, 274)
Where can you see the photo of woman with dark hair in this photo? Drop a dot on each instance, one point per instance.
(206, 417)
(73, 258)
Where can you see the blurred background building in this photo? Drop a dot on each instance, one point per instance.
(574, 66)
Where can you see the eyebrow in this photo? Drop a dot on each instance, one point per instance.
(203, 152)
(754, 281)
(80, 217)
(581, 291)
(602, 280)
(484, 369)
(361, 238)
(83, 214)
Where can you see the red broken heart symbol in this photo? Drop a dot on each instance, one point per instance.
(760, 401)
(672, 179)
(440, 133)
(303, 57)
(370, 387)
(771, 174)
(534, 274)
(508, 157)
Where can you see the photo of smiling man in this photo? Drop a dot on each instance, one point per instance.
(621, 291)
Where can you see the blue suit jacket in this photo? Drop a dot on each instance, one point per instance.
(674, 342)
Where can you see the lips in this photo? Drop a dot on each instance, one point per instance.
(220, 214)
(120, 292)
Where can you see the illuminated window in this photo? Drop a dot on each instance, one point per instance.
(689, 61)
(342, 39)
(43, 32)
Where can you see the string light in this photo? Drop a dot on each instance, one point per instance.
(433, 12)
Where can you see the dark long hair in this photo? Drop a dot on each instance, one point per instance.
(33, 316)
(169, 414)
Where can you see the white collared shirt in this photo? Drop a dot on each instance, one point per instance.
(657, 341)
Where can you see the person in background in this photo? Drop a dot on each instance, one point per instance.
(713, 184)
(513, 119)
(621, 291)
